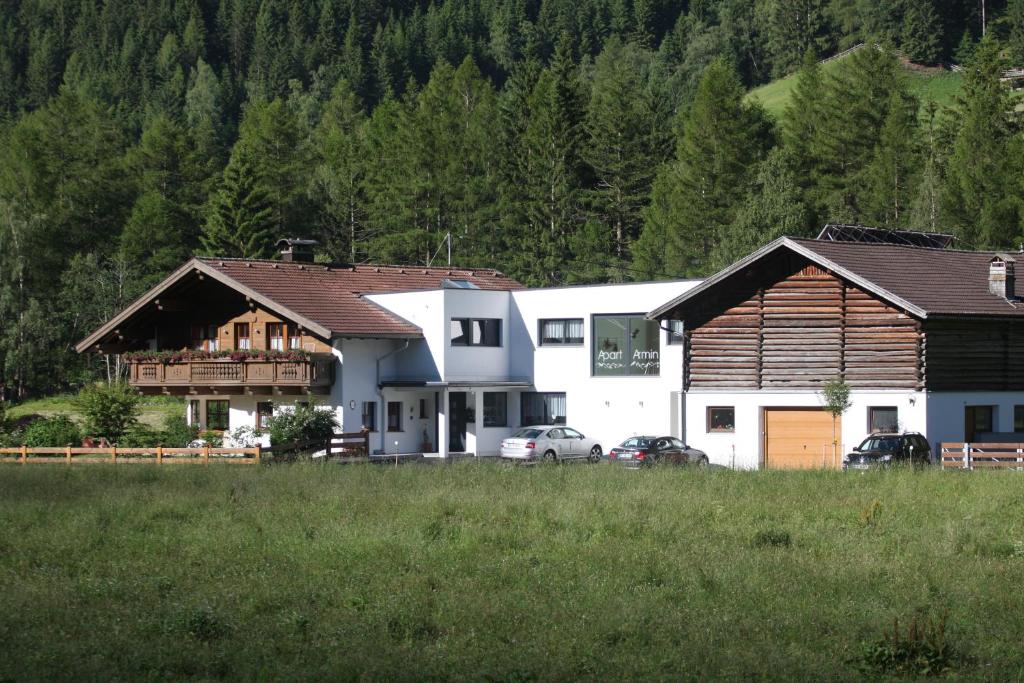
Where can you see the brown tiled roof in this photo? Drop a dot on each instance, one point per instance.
(937, 281)
(330, 295)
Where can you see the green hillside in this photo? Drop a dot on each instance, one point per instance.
(940, 87)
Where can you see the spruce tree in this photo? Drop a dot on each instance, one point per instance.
(922, 32)
(696, 196)
(891, 177)
(240, 222)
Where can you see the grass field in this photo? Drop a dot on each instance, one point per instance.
(479, 571)
(154, 408)
(940, 87)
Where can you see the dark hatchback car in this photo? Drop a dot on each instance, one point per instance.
(883, 450)
(644, 451)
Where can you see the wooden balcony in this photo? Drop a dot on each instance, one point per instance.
(314, 376)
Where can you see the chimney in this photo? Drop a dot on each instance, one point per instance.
(296, 250)
(1001, 276)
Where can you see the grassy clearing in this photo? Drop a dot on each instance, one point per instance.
(154, 408)
(939, 87)
(484, 572)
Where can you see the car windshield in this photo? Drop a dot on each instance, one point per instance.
(527, 434)
(880, 443)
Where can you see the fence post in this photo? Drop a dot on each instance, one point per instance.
(113, 454)
(967, 456)
(206, 454)
(67, 451)
(24, 454)
(256, 455)
(159, 454)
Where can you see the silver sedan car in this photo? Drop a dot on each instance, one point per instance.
(550, 443)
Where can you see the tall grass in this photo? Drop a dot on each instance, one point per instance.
(483, 572)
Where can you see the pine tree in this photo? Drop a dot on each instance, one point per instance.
(695, 198)
(794, 28)
(983, 175)
(890, 178)
(805, 114)
(240, 221)
(922, 32)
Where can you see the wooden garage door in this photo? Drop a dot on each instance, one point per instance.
(799, 438)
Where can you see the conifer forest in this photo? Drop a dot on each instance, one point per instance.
(559, 141)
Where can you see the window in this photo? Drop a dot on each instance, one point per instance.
(295, 341)
(204, 337)
(476, 331)
(242, 340)
(561, 331)
(275, 336)
(495, 409)
(883, 419)
(370, 415)
(978, 420)
(625, 345)
(423, 409)
(394, 416)
(264, 411)
(217, 415)
(193, 412)
(722, 419)
(1018, 418)
(675, 331)
(538, 408)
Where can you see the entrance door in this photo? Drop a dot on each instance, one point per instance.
(977, 420)
(800, 438)
(457, 421)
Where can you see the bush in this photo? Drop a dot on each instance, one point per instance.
(110, 410)
(919, 650)
(140, 436)
(177, 432)
(305, 423)
(245, 437)
(58, 430)
(212, 439)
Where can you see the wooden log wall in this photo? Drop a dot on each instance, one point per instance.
(974, 355)
(802, 330)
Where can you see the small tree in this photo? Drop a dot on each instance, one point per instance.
(835, 397)
(109, 410)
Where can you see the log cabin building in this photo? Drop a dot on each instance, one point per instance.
(928, 339)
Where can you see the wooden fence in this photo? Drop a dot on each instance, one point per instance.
(969, 456)
(347, 445)
(158, 455)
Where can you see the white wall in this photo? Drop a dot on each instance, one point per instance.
(743, 448)
(476, 363)
(424, 360)
(946, 412)
(607, 408)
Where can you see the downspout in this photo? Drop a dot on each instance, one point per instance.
(682, 384)
(380, 393)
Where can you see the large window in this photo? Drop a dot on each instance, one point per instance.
(562, 331)
(204, 337)
(722, 419)
(883, 419)
(394, 416)
(217, 415)
(538, 408)
(476, 331)
(264, 411)
(193, 412)
(626, 345)
(370, 415)
(495, 409)
(242, 340)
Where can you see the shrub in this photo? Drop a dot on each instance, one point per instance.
(212, 439)
(58, 430)
(920, 650)
(177, 432)
(139, 436)
(305, 423)
(110, 410)
(245, 437)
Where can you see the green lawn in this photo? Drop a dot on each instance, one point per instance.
(154, 408)
(941, 88)
(483, 572)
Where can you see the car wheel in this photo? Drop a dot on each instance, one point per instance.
(702, 461)
(549, 456)
(595, 454)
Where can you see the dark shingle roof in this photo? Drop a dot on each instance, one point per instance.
(937, 281)
(330, 295)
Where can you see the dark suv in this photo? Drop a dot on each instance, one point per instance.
(884, 449)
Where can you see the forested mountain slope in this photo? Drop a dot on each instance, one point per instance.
(557, 140)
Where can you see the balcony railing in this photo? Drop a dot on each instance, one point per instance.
(314, 372)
